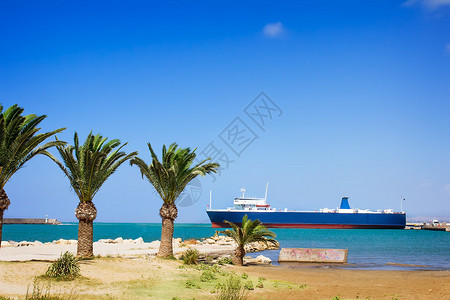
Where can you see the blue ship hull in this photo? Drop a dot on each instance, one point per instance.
(299, 219)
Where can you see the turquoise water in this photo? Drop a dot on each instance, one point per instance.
(371, 249)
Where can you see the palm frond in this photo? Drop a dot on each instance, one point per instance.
(249, 231)
(170, 175)
(89, 165)
(20, 140)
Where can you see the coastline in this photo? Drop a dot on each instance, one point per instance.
(214, 247)
(368, 249)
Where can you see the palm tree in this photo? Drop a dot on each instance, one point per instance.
(88, 166)
(169, 178)
(249, 231)
(19, 142)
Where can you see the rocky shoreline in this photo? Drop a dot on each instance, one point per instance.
(213, 249)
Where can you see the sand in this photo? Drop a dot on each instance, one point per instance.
(138, 278)
(138, 274)
(53, 251)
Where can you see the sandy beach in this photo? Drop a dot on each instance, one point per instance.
(125, 248)
(140, 278)
(128, 269)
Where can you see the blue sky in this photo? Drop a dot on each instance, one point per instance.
(364, 90)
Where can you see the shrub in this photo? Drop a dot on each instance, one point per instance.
(208, 259)
(191, 284)
(232, 289)
(213, 268)
(244, 276)
(207, 276)
(249, 285)
(190, 256)
(225, 261)
(260, 283)
(216, 269)
(65, 267)
(201, 267)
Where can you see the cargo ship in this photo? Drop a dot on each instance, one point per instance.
(343, 217)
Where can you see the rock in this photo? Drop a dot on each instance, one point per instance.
(6, 244)
(37, 243)
(258, 260)
(119, 240)
(13, 243)
(210, 241)
(263, 259)
(154, 244)
(176, 242)
(106, 241)
(24, 244)
(222, 243)
(128, 241)
(260, 246)
(139, 240)
(65, 242)
(47, 243)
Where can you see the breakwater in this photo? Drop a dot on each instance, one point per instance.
(31, 221)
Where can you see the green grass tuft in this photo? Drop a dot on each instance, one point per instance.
(225, 261)
(190, 256)
(207, 275)
(249, 285)
(232, 289)
(66, 267)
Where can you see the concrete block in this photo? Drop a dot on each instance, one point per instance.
(313, 255)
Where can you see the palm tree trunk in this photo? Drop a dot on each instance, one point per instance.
(238, 258)
(4, 203)
(1, 226)
(85, 247)
(86, 214)
(168, 213)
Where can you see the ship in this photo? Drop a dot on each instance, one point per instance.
(343, 217)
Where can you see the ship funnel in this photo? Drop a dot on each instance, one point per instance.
(344, 203)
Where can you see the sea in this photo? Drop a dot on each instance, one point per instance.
(372, 249)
